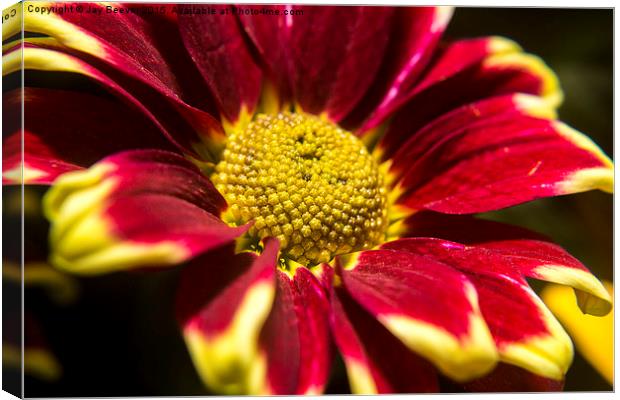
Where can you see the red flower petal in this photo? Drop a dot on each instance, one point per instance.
(191, 130)
(376, 361)
(431, 307)
(151, 51)
(525, 332)
(139, 208)
(328, 79)
(413, 36)
(464, 229)
(508, 378)
(271, 35)
(65, 131)
(223, 302)
(216, 45)
(498, 69)
(549, 262)
(499, 161)
(515, 258)
(295, 339)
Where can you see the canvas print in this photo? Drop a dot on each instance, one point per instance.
(266, 199)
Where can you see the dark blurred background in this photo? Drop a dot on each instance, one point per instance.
(121, 339)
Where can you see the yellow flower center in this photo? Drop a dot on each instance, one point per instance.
(305, 181)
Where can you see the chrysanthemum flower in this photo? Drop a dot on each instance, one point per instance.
(316, 169)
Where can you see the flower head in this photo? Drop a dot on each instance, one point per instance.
(315, 168)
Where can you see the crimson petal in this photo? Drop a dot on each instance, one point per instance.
(295, 338)
(501, 161)
(328, 79)
(216, 44)
(498, 69)
(508, 378)
(431, 307)
(137, 208)
(376, 361)
(66, 131)
(222, 303)
(413, 36)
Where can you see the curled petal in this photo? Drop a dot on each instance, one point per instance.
(549, 262)
(133, 209)
(376, 361)
(593, 336)
(222, 304)
(431, 307)
(294, 343)
(516, 259)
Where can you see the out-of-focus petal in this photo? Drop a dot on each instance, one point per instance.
(497, 162)
(222, 304)
(294, 343)
(66, 130)
(465, 229)
(133, 209)
(376, 361)
(60, 287)
(431, 307)
(499, 69)
(509, 378)
(593, 336)
(216, 45)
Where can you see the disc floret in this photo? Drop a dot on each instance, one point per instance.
(307, 182)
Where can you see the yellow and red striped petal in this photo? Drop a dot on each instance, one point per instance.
(492, 68)
(458, 120)
(222, 305)
(524, 330)
(294, 342)
(66, 131)
(549, 262)
(141, 41)
(193, 131)
(217, 47)
(530, 254)
(497, 161)
(376, 361)
(429, 306)
(134, 209)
